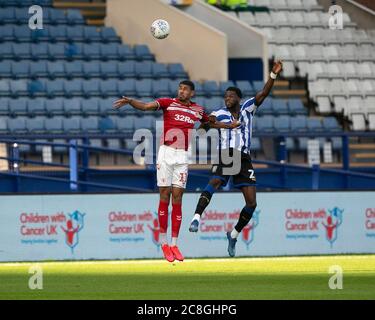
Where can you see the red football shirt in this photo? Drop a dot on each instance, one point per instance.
(179, 120)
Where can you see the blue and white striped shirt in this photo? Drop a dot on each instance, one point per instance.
(239, 138)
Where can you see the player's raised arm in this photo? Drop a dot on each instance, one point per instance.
(261, 95)
(136, 104)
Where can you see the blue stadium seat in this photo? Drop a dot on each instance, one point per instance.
(73, 106)
(302, 143)
(114, 143)
(109, 51)
(56, 51)
(107, 125)
(22, 33)
(199, 90)
(296, 107)
(258, 85)
(36, 107)
(142, 52)
(125, 52)
(20, 69)
(126, 69)
(176, 70)
(18, 107)
(74, 69)
(145, 122)
(3, 125)
(255, 144)
(106, 106)
(71, 125)
(224, 85)
(91, 34)
(127, 87)
(160, 70)
(108, 69)
(279, 106)
(91, 87)
(74, 33)
(6, 33)
(55, 88)
(17, 125)
(37, 88)
(54, 125)
(213, 103)
(108, 87)
(266, 107)
(298, 123)
(108, 34)
(161, 88)
(314, 124)
(91, 70)
(211, 88)
(18, 88)
(38, 35)
(55, 106)
(57, 16)
(90, 106)
(246, 87)
(5, 69)
(7, 15)
(4, 106)
(125, 125)
(4, 87)
(55, 69)
(74, 17)
(331, 124)
(91, 51)
(74, 51)
(22, 15)
(57, 33)
(35, 125)
(200, 101)
(38, 69)
(90, 124)
(39, 51)
(21, 51)
(282, 123)
(40, 146)
(265, 124)
(143, 69)
(73, 87)
(6, 50)
(143, 88)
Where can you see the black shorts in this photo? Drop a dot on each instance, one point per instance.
(246, 176)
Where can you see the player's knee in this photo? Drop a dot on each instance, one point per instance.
(251, 203)
(177, 198)
(165, 195)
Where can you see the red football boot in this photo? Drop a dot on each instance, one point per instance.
(168, 254)
(177, 254)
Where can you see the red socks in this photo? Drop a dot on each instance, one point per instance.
(163, 216)
(176, 219)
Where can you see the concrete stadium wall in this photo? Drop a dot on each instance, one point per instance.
(202, 49)
(125, 226)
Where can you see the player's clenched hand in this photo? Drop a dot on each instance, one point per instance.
(277, 67)
(121, 102)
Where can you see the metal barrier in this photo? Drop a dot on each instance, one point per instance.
(75, 170)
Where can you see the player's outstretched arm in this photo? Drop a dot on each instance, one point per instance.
(261, 95)
(213, 123)
(136, 104)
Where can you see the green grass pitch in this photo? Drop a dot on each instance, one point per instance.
(233, 279)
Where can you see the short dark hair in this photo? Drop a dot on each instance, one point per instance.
(236, 90)
(188, 83)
